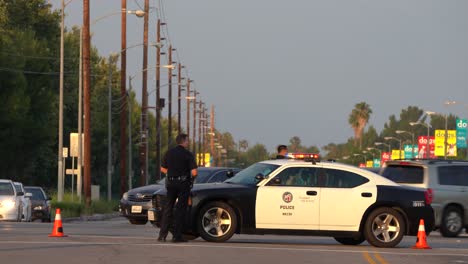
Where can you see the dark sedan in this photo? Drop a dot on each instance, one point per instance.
(135, 203)
(40, 203)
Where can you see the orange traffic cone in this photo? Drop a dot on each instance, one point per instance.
(421, 241)
(57, 230)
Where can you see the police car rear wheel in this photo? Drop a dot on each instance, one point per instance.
(217, 222)
(384, 227)
(351, 241)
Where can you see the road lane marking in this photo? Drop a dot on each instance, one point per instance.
(368, 258)
(230, 246)
(380, 258)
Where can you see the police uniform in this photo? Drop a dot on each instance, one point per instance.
(179, 163)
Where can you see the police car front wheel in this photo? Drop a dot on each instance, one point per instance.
(217, 222)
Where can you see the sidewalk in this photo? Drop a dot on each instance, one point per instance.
(95, 217)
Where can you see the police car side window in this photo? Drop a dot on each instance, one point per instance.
(343, 179)
(296, 176)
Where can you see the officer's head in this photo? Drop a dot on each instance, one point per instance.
(182, 139)
(282, 149)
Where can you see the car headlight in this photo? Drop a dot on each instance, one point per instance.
(8, 204)
(38, 208)
(125, 196)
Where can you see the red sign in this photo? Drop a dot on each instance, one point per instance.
(385, 156)
(422, 145)
(362, 165)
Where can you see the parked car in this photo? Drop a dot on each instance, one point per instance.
(40, 204)
(305, 197)
(11, 207)
(26, 201)
(446, 180)
(136, 202)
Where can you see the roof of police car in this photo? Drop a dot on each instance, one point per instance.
(330, 164)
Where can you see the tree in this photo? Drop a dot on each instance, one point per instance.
(358, 120)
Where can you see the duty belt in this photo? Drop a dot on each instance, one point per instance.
(178, 178)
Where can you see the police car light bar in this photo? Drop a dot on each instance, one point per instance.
(304, 156)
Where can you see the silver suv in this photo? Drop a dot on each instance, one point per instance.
(447, 180)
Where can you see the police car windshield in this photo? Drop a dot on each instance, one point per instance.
(247, 176)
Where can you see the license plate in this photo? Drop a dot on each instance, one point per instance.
(136, 209)
(151, 215)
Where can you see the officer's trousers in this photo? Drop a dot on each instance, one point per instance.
(180, 191)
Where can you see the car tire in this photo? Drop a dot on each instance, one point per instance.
(138, 221)
(384, 227)
(217, 222)
(350, 241)
(452, 222)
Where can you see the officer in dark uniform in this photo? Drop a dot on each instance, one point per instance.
(180, 167)
(282, 152)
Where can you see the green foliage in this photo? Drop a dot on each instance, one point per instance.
(72, 207)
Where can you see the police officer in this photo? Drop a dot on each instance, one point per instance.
(181, 168)
(282, 152)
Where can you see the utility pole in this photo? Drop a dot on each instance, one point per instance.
(109, 134)
(169, 98)
(158, 100)
(87, 106)
(205, 124)
(194, 122)
(188, 110)
(130, 145)
(144, 104)
(212, 135)
(123, 94)
(179, 95)
(199, 132)
(60, 127)
(79, 180)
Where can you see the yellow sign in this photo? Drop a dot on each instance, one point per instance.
(451, 143)
(397, 154)
(370, 164)
(199, 159)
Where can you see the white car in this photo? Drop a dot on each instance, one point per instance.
(26, 201)
(10, 201)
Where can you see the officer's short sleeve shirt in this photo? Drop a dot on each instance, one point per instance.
(179, 162)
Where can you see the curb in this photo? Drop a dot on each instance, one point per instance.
(95, 217)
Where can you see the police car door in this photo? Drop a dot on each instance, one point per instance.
(345, 196)
(289, 200)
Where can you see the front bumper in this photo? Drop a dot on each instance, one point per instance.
(9, 215)
(134, 210)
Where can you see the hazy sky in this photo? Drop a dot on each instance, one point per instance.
(278, 69)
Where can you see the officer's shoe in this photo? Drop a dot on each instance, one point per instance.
(161, 239)
(179, 240)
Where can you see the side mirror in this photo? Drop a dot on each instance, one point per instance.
(259, 177)
(229, 173)
(28, 195)
(20, 193)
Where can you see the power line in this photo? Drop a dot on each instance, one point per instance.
(34, 57)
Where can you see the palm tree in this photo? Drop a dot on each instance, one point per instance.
(358, 120)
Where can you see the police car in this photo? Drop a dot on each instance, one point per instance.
(304, 196)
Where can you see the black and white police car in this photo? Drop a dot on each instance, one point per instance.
(306, 197)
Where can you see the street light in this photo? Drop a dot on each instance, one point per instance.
(385, 144)
(365, 160)
(399, 140)
(412, 140)
(380, 151)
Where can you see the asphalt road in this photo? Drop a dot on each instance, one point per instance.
(116, 241)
